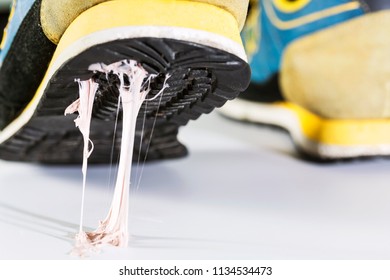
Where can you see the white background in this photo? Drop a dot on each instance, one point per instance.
(243, 193)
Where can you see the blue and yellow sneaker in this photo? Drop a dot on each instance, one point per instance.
(48, 44)
(4, 13)
(321, 70)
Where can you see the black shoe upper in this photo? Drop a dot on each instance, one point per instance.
(267, 92)
(3, 21)
(24, 66)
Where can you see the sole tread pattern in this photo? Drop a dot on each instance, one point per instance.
(202, 78)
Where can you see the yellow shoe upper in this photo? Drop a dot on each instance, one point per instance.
(342, 72)
(56, 16)
(238, 8)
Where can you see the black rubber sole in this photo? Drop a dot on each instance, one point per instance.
(202, 78)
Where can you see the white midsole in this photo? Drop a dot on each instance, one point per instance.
(287, 119)
(120, 33)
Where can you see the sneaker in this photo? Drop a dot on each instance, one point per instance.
(49, 44)
(320, 70)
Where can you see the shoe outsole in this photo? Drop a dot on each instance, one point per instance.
(317, 139)
(202, 78)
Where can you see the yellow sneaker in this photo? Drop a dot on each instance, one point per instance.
(320, 69)
(48, 44)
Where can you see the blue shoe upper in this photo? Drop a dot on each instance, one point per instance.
(279, 22)
(20, 10)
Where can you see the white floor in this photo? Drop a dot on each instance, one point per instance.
(242, 194)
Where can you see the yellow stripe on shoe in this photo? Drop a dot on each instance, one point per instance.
(339, 138)
(316, 136)
(341, 132)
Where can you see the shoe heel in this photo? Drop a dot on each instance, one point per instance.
(182, 20)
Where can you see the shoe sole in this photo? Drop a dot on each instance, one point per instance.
(206, 70)
(316, 137)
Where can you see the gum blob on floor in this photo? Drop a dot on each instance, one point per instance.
(133, 89)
